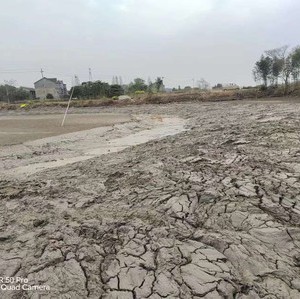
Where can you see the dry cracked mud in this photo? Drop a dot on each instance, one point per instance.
(212, 212)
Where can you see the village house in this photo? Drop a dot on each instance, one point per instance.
(50, 88)
(31, 92)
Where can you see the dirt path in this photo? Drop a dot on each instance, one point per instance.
(211, 212)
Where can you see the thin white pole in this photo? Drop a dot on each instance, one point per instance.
(62, 124)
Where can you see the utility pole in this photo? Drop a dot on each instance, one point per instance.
(42, 72)
(90, 75)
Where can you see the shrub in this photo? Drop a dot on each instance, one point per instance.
(139, 92)
(49, 96)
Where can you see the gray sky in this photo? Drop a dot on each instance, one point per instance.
(218, 40)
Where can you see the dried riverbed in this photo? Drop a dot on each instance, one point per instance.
(211, 212)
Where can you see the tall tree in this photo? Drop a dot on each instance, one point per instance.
(296, 63)
(278, 56)
(138, 84)
(159, 83)
(115, 90)
(10, 93)
(277, 67)
(262, 69)
(285, 65)
(96, 89)
(287, 71)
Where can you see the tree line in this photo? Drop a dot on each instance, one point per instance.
(278, 66)
(99, 89)
(10, 93)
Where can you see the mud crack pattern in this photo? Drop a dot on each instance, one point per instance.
(212, 212)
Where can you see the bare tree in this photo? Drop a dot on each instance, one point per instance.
(286, 72)
(159, 83)
(203, 84)
(278, 56)
(76, 81)
(8, 84)
(277, 52)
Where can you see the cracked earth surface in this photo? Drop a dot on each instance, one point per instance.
(212, 212)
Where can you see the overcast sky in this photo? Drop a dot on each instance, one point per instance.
(218, 40)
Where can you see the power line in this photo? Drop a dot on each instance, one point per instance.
(18, 71)
(61, 75)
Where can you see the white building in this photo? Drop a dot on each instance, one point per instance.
(50, 88)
